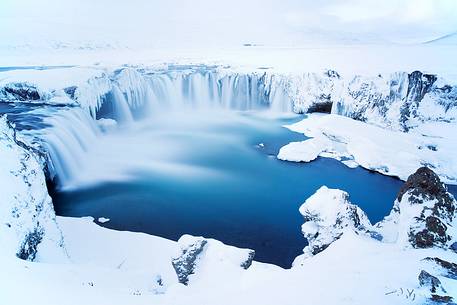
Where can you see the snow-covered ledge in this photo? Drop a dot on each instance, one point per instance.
(388, 152)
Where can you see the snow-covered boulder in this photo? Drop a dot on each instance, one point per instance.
(27, 219)
(198, 256)
(20, 92)
(328, 214)
(448, 269)
(430, 282)
(423, 215)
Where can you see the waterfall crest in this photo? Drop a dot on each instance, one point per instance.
(130, 95)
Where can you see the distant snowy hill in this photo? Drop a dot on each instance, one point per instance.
(152, 24)
(450, 39)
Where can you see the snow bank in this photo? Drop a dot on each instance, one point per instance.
(388, 152)
(200, 259)
(28, 228)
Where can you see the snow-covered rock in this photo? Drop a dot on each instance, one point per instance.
(20, 92)
(424, 213)
(30, 93)
(423, 216)
(28, 224)
(198, 256)
(328, 213)
(448, 269)
(430, 282)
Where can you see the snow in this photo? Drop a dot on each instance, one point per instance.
(328, 214)
(345, 59)
(389, 152)
(53, 78)
(26, 210)
(103, 219)
(114, 267)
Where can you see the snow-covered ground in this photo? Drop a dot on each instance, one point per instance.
(389, 152)
(368, 60)
(124, 268)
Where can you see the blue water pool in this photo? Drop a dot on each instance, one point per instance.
(221, 180)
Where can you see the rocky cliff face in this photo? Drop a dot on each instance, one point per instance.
(424, 213)
(399, 101)
(27, 219)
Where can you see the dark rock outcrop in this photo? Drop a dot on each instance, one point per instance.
(70, 91)
(445, 299)
(185, 263)
(453, 247)
(323, 106)
(19, 92)
(439, 208)
(449, 268)
(429, 281)
(419, 84)
(29, 247)
(248, 262)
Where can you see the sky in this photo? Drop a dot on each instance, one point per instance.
(158, 23)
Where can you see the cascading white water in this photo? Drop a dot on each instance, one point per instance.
(121, 109)
(199, 89)
(72, 134)
(135, 96)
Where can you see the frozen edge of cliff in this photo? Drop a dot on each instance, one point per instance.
(397, 100)
(385, 151)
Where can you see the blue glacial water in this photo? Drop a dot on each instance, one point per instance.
(207, 175)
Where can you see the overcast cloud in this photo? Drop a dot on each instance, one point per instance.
(205, 22)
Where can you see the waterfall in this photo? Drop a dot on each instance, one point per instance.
(178, 90)
(129, 95)
(70, 137)
(121, 108)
